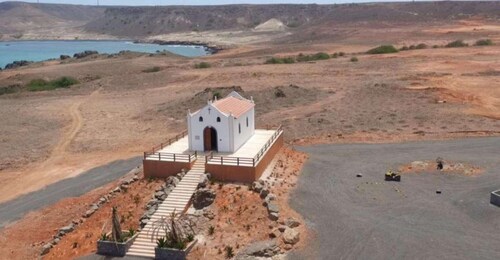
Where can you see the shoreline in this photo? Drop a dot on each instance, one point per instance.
(208, 49)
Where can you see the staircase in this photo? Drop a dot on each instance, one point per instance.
(144, 245)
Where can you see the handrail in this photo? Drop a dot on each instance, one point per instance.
(169, 141)
(245, 161)
(154, 153)
(191, 157)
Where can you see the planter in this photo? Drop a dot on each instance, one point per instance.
(173, 254)
(112, 248)
(495, 198)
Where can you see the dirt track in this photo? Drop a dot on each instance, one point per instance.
(367, 218)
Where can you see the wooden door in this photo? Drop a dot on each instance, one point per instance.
(207, 139)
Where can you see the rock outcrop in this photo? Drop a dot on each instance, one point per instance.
(203, 198)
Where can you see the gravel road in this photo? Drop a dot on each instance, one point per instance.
(73, 187)
(367, 218)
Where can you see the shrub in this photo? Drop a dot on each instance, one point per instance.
(202, 65)
(484, 42)
(354, 59)
(286, 60)
(104, 237)
(190, 237)
(64, 82)
(341, 54)
(321, 56)
(10, 89)
(383, 49)
(229, 252)
(211, 230)
(435, 46)
(456, 44)
(412, 47)
(404, 48)
(176, 229)
(335, 55)
(152, 69)
(161, 242)
(41, 84)
(421, 46)
(317, 56)
(131, 232)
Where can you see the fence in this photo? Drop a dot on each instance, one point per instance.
(172, 157)
(244, 161)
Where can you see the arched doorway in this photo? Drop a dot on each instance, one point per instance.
(210, 139)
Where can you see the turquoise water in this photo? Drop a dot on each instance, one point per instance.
(43, 50)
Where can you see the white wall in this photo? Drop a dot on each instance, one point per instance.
(196, 128)
(246, 131)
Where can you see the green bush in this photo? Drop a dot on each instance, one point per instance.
(421, 46)
(317, 56)
(383, 49)
(484, 42)
(152, 69)
(202, 65)
(274, 60)
(354, 59)
(41, 84)
(456, 44)
(10, 89)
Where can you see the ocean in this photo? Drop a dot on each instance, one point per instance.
(43, 50)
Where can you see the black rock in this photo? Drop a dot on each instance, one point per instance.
(17, 64)
(84, 54)
(203, 198)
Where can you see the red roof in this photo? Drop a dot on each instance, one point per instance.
(234, 106)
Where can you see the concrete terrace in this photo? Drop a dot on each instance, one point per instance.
(248, 150)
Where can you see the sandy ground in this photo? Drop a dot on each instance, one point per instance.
(369, 218)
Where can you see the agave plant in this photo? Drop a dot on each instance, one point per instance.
(174, 231)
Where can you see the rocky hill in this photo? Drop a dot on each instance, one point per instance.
(138, 22)
(18, 17)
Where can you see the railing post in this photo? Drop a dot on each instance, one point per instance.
(238, 161)
(159, 156)
(221, 160)
(253, 162)
(174, 157)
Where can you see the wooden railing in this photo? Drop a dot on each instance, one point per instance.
(154, 153)
(244, 161)
(169, 141)
(171, 157)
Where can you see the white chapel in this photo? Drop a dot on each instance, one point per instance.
(223, 125)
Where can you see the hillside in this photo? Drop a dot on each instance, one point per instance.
(18, 17)
(140, 22)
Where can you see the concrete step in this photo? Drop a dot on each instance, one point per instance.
(140, 252)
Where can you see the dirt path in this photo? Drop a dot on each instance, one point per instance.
(76, 124)
(58, 166)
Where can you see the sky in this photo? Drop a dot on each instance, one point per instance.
(198, 2)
